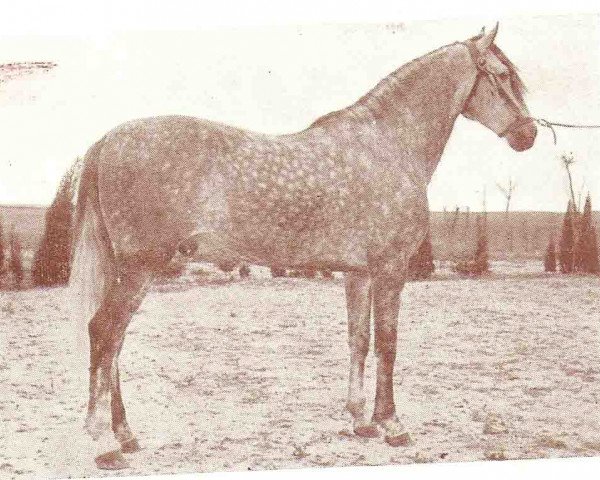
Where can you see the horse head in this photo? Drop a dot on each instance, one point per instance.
(496, 100)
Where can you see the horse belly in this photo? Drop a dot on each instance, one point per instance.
(270, 243)
(274, 225)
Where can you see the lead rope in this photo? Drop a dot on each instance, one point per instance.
(545, 123)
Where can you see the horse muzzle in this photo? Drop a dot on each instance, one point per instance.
(521, 134)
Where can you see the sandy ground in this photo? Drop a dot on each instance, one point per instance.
(251, 374)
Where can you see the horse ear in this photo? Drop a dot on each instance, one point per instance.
(486, 39)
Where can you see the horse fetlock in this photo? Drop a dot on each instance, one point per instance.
(398, 440)
(126, 438)
(384, 413)
(356, 407)
(95, 427)
(130, 446)
(395, 432)
(113, 460)
(361, 426)
(107, 452)
(366, 429)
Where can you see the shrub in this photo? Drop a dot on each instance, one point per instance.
(278, 272)
(244, 271)
(421, 264)
(16, 259)
(304, 273)
(327, 274)
(51, 263)
(586, 250)
(226, 266)
(567, 241)
(479, 264)
(550, 257)
(482, 255)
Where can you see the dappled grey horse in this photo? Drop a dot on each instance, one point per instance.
(347, 194)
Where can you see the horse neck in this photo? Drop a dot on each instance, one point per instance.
(416, 106)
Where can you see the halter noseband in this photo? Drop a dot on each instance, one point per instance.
(480, 63)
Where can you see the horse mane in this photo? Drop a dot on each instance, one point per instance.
(360, 109)
(385, 87)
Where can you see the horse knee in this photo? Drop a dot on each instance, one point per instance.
(385, 339)
(359, 344)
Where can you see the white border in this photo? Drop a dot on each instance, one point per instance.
(39, 17)
(72, 17)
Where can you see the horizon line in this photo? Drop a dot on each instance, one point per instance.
(40, 206)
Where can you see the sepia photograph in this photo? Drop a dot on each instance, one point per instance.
(298, 245)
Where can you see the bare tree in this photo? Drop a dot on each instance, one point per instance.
(568, 160)
(484, 202)
(454, 220)
(453, 250)
(508, 193)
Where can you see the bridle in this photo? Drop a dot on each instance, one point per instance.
(482, 69)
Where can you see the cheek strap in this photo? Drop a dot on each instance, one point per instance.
(478, 60)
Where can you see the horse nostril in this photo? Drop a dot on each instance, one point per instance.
(522, 139)
(533, 135)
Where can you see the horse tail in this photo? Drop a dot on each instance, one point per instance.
(93, 262)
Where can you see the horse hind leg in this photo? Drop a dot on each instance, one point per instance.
(386, 305)
(106, 413)
(120, 427)
(358, 302)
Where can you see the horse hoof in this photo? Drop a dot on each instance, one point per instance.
(131, 446)
(368, 430)
(111, 461)
(401, 440)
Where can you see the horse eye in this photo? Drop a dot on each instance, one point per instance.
(503, 76)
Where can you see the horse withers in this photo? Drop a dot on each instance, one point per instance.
(349, 193)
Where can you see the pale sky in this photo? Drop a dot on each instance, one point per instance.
(279, 79)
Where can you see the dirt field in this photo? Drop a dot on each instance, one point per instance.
(252, 375)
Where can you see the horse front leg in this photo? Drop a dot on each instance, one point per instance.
(358, 303)
(386, 305)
